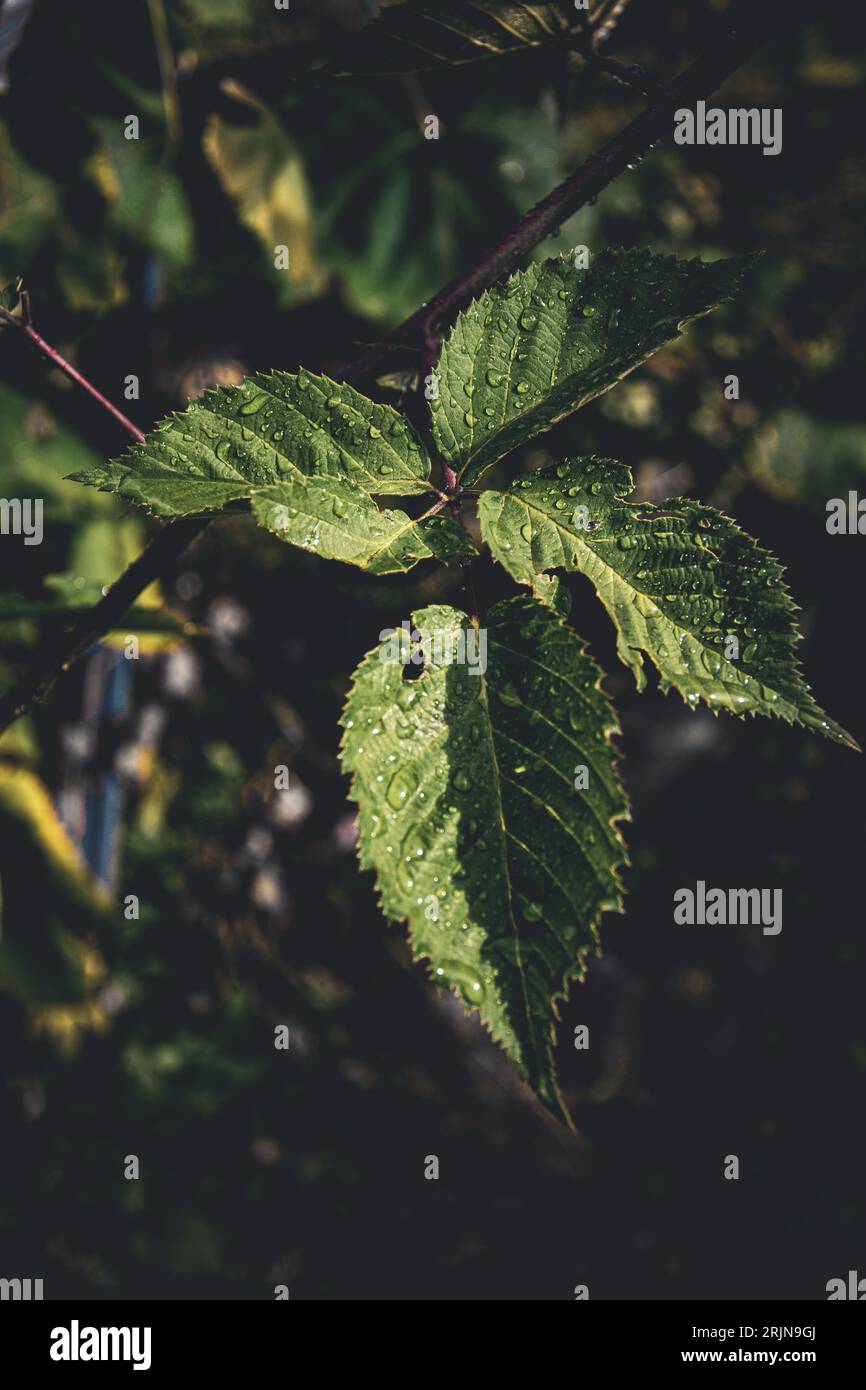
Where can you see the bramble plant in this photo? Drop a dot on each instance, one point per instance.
(490, 804)
(480, 746)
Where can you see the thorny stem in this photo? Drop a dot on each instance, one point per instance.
(731, 43)
(734, 40)
(72, 372)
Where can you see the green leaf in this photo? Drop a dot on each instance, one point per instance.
(469, 813)
(218, 28)
(802, 459)
(538, 347)
(424, 34)
(398, 216)
(36, 450)
(393, 219)
(235, 441)
(10, 296)
(679, 581)
(333, 518)
(261, 169)
(146, 199)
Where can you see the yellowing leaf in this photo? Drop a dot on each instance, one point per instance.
(261, 169)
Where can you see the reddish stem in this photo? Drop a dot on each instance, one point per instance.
(58, 360)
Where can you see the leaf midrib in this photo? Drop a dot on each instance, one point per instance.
(504, 834)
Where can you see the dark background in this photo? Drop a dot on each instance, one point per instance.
(260, 1167)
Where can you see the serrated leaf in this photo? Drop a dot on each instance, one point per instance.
(239, 439)
(423, 34)
(538, 347)
(679, 581)
(469, 813)
(333, 518)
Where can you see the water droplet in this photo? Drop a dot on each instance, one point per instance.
(461, 779)
(401, 786)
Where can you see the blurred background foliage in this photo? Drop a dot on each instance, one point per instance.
(165, 906)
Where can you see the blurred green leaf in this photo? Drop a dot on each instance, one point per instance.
(146, 198)
(37, 450)
(799, 458)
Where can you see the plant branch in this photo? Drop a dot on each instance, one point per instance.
(167, 68)
(67, 368)
(733, 39)
(157, 559)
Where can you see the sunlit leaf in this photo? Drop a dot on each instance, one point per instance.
(470, 815)
(683, 584)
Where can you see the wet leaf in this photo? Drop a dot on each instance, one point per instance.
(335, 519)
(470, 817)
(235, 441)
(536, 348)
(682, 583)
